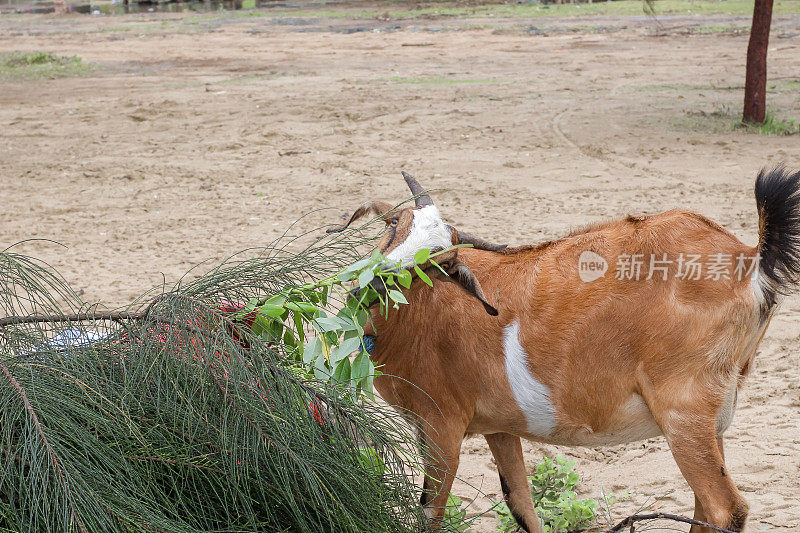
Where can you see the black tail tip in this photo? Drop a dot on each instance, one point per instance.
(777, 192)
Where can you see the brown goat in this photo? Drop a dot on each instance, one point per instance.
(563, 352)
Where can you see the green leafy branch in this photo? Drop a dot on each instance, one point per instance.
(300, 320)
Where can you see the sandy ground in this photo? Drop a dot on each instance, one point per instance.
(200, 136)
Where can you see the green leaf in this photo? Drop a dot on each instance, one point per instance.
(342, 372)
(344, 349)
(321, 370)
(367, 296)
(326, 324)
(261, 325)
(307, 307)
(423, 276)
(348, 273)
(365, 278)
(289, 338)
(323, 295)
(312, 350)
(275, 311)
(362, 317)
(405, 278)
(346, 324)
(366, 386)
(361, 366)
(298, 324)
(361, 263)
(302, 307)
(346, 312)
(350, 344)
(344, 276)
(422, 256)
(275, 330)
(278, 300)
(334, 323)
(434, 263)
(398, 297)
(312, 297)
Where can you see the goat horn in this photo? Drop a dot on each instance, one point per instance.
(422, 199)
(478, 243)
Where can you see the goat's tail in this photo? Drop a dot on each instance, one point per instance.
(778, 202)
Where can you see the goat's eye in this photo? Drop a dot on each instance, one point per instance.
(393, 222)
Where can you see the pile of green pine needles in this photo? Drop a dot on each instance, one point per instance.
(171, 416)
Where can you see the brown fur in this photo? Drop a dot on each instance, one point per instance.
(678, 344)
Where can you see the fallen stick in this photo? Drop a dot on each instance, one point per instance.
(631, 520)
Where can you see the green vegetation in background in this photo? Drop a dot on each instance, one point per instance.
(437, 80)
(772, 125)
(16, 66)
(621, 7)
(726, 118)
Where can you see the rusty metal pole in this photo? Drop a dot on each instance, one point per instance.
(755, 85)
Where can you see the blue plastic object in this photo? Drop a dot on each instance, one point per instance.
(369, 343)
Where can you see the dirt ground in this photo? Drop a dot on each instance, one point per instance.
(199, 136)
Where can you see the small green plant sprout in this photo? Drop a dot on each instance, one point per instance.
(607, 502)
(455, 515)
(552, 488)
(300, 319)
(507, 522)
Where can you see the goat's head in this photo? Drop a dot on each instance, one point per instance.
(411, 229)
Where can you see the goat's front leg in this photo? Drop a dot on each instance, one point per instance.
(441, 446)
(507, 451)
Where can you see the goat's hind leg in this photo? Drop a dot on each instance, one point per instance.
(692, 435)
(699, 513)
(701, 463)
(507, 451)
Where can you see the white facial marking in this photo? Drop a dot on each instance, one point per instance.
(427, 231)
(533, 398)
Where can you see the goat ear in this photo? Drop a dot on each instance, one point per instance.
(461, 275)
(376, 207)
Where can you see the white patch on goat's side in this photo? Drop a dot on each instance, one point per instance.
(427, 231)
(533, 398)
